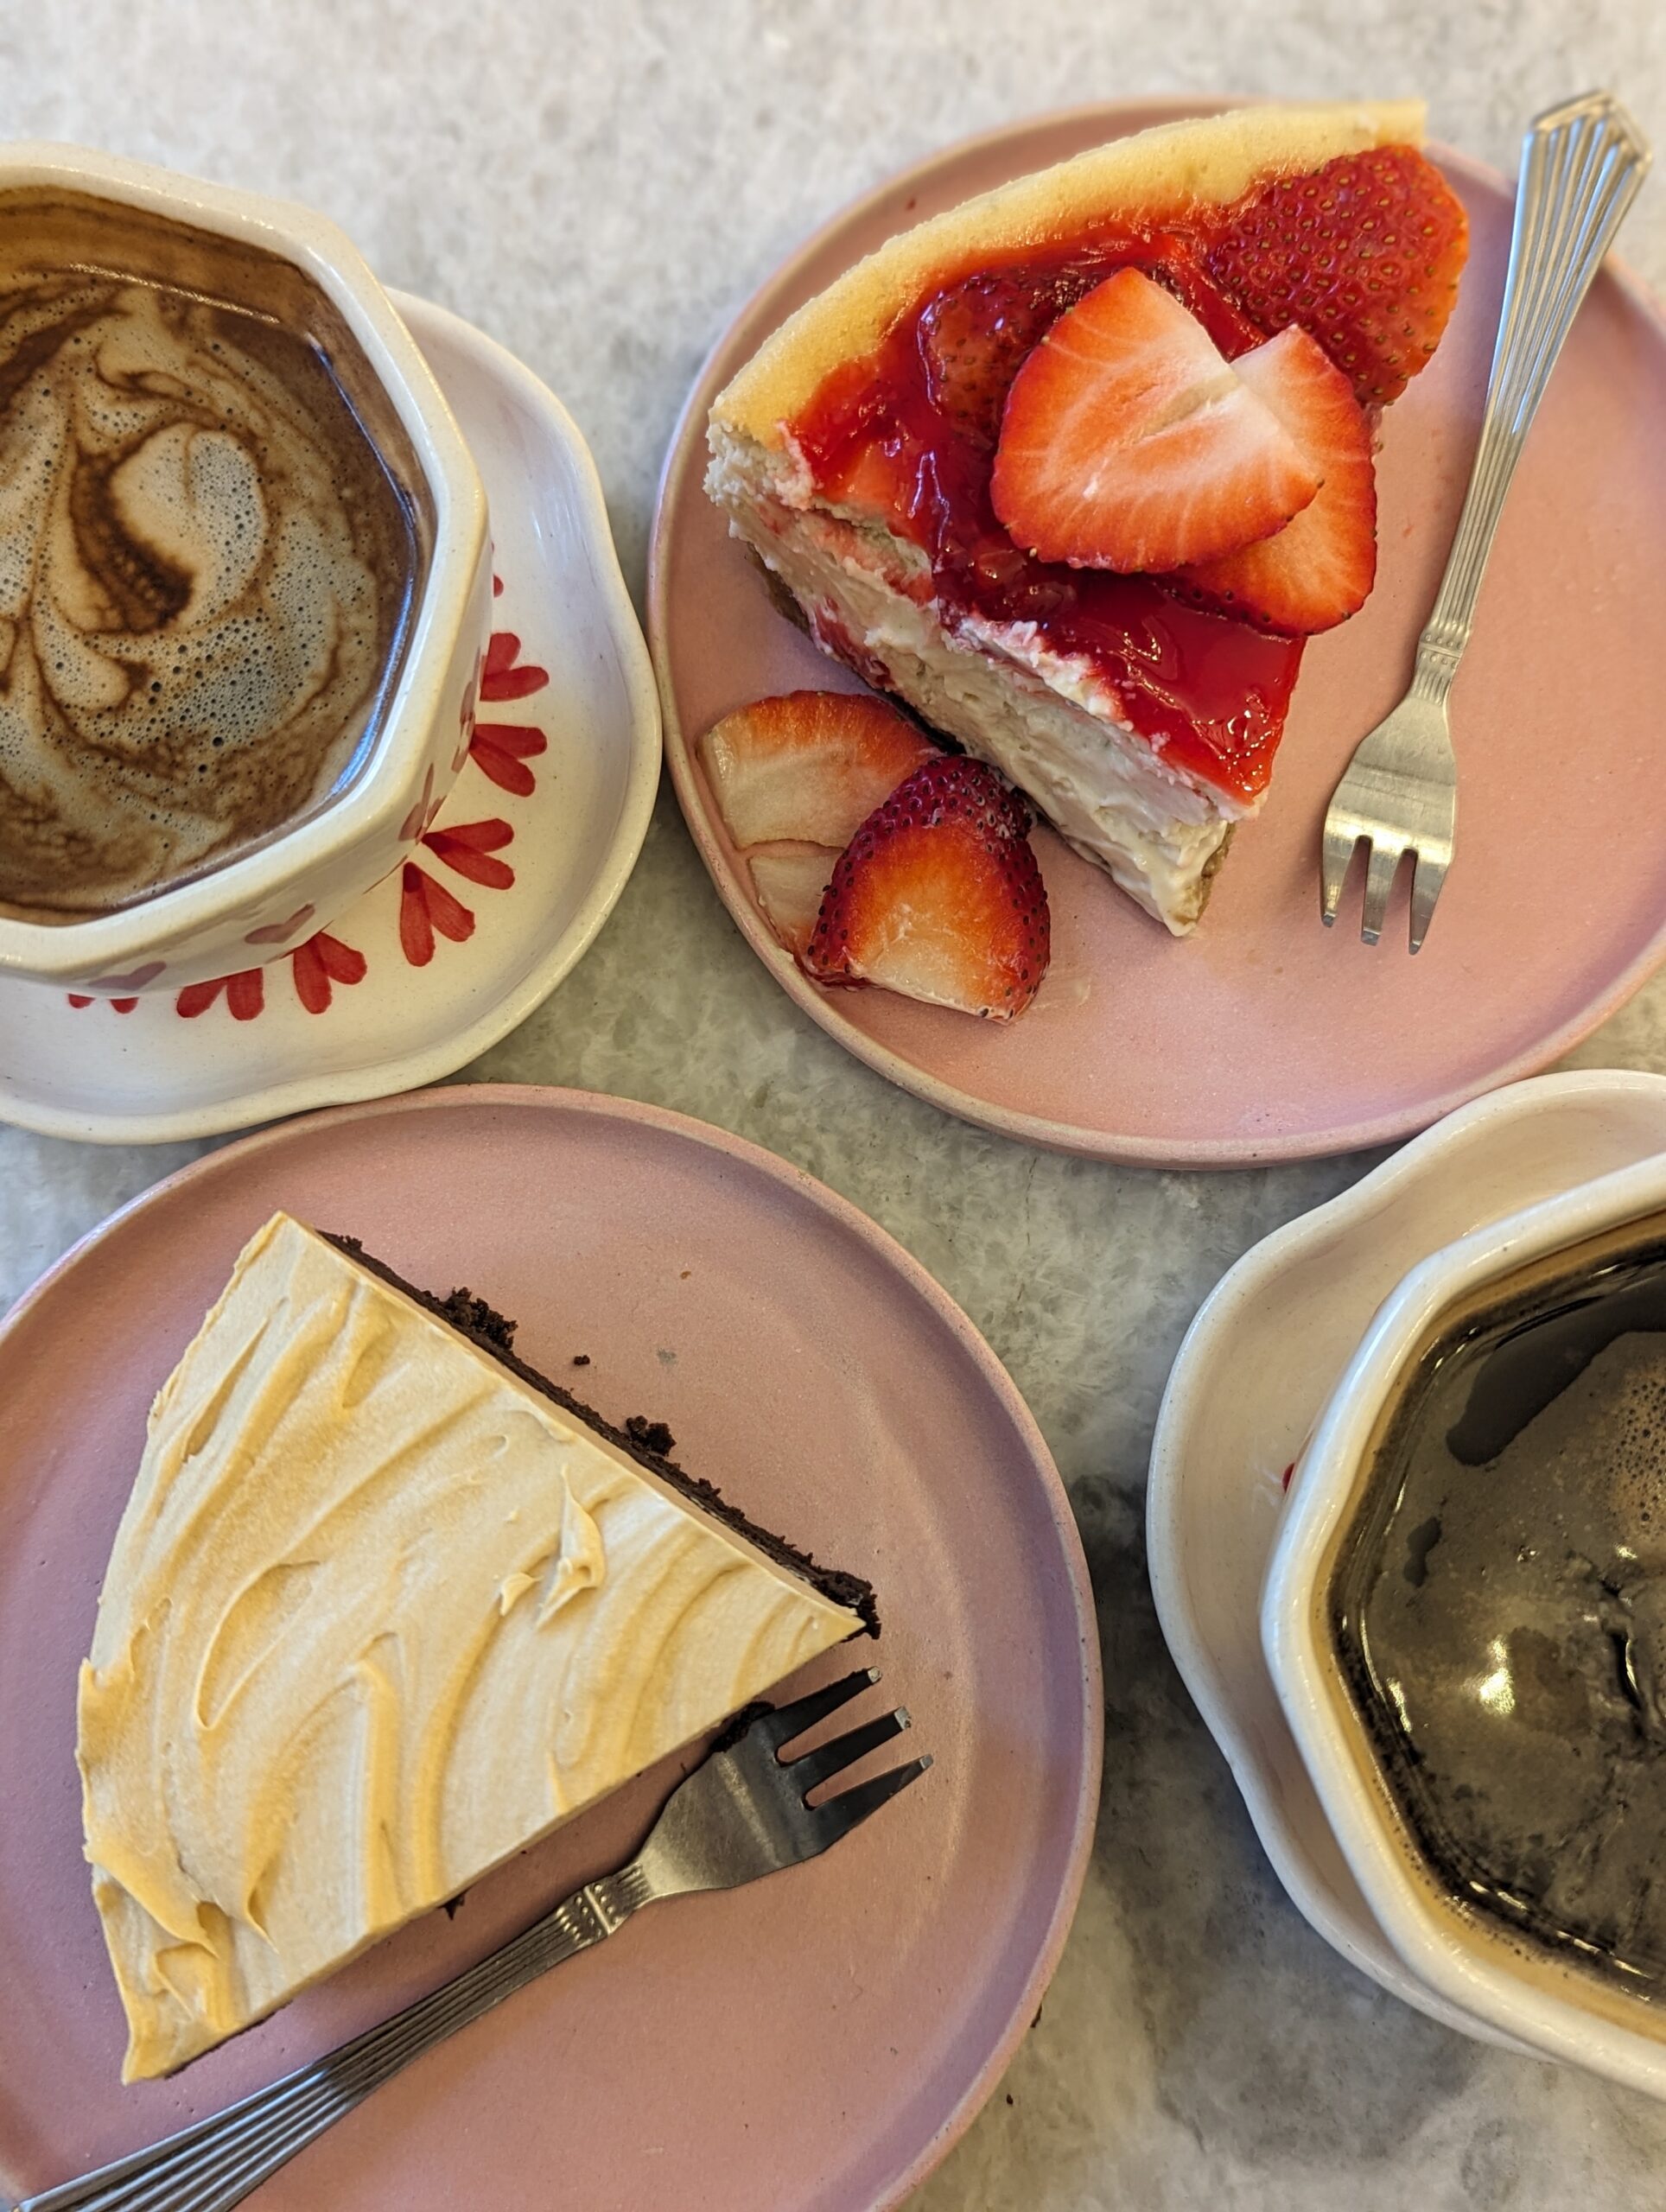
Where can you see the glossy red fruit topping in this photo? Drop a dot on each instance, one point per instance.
(809, 765)
(1319, 568)
(938, 896)
(974, 338)
(1366, 253)
(1209, 693)
(1130, 443)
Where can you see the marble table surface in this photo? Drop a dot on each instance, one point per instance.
(599, 185)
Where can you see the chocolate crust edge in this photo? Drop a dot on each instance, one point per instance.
(494, 1332)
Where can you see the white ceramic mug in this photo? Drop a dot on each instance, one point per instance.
(1539, 2000)
(260, 903)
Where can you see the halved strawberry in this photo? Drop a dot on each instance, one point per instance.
(809, 765)
(1318, 570)
(1127, 442)
(1366, 253)
(938, 896)
(789, 880)
(974, 337)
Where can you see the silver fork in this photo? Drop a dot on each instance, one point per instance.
(1582, 166)
(740, 1815)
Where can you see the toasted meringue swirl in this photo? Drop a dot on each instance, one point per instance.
(377, 1615)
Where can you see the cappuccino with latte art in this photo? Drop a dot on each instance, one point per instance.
(213, 533)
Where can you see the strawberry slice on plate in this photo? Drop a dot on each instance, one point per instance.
(788, 881)
(938, 896)
(809, 766)
(1364, 253)
(1129, 442)
(1319, 568)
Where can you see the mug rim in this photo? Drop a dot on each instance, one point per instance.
(1547, 2004)
(68, 950)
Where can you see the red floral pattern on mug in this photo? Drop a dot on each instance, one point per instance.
(278, 932)
(428, 909)
(423, 812)
(123, 985)
(466, 715)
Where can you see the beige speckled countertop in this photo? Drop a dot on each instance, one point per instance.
(599, 186)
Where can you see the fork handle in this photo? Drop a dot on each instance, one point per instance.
(213, 2164)
(1582, 166)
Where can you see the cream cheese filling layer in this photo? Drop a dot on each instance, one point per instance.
(1046, 720)
(378, 1616)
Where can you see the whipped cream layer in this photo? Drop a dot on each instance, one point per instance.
(378, 1616)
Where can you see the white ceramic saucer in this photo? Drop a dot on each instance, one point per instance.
(517, 871)
(1257, 1366)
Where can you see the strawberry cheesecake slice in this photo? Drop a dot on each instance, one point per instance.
(1075, 467)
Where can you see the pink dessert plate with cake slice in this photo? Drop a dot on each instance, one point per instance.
(1265, 1036)
(815, 2040)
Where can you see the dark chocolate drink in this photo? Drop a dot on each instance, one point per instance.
(213, 531)
(1500, 1612)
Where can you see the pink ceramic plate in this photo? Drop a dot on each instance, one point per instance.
(817, 2041)
(1265, 1036)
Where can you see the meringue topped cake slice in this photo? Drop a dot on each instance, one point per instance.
(1074, 467)
(386, 1606)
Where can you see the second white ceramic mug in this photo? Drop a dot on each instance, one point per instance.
(1550, 2005)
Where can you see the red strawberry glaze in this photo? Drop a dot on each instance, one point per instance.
(1364, 253)
(920, 420)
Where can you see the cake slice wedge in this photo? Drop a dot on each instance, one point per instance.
(386, 1606)
(855, 454)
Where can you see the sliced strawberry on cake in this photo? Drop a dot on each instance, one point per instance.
(1036, 467)
(1318, 569)
(1130, 441)
(1365, 254)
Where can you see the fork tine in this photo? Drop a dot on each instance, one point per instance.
(1334, 863)
(845, 1751)
(840, 1814)
(1379, 882)
(1430, 874)
(787, 1721)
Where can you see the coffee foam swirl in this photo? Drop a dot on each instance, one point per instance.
(204, 574)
